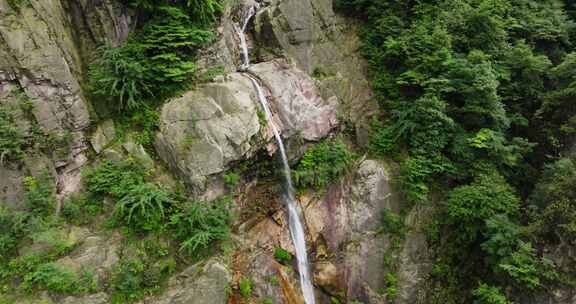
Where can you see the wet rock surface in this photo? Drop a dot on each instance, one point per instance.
(205, 130)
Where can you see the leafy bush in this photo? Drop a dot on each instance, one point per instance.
(470, 205)
(57, 278)
(200, 11)
(114, 178)
(391, 285)
(11, 230)
(486, 294)
(133, 279)
(12, 141)
(200, 224)
(526, 269)
(39, 195)
(154, 62)
(392, 223)
(81, 209)
(144, 207)
(322, 164)
(282, 256)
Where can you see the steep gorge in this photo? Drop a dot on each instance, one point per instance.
(213, 142)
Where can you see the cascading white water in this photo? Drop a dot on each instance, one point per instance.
(294, 222)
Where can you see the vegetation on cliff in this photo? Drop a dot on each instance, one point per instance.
(477, 96)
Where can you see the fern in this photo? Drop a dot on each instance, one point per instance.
(144, 207)
(200, 224)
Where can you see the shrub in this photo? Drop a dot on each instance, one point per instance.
(554, 200)
(502, 237)
(486, 294)
(417, 172)
(11, 231)
(282, 256)
(322, 164)
(81, 209)
(469, 206)
(39, 195)
(57, 278)
(133, 279)
(391, 285)
(144, 207)
(392, 223)
(114, 178)
(526, 269)
(201, 224)
(12, 141)
(154, 62)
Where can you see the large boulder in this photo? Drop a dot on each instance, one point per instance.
(205, 130)
(205, 283)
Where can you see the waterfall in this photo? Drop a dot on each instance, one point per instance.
(294, 220)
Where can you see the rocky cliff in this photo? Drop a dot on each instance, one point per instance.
(307, 59)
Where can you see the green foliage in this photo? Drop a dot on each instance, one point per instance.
(81, 209)
(200, 224)
(231, 179)
(200, 11)
(39, 195)
(416, 172)
(12, 141)
(322, 164)
(502, 237)
(11, 230)
(114, 178)
(133, 279)
(245, 287)
(16, 4)
(144, 207)
(391, 281)
(282, 256)
(205, 11)
(154, 63)
(392, 223)
(140, 124)
(57, 278)
(486, 294)
(526, 269)
(488, 195)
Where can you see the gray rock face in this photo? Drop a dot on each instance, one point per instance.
(104, 134)
(205, 130)
(198, 284)
(344, 230)
(324, 45)
(11, 188)
(98, 298)
(44, 47)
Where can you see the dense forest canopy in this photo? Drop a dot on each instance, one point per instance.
(479, 102)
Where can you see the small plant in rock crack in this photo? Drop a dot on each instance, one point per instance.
(282, 255)
(200, 224)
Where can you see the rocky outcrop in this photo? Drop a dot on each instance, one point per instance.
(205, 283)
(44, 47)
(347, 245)
(323, 45)
(205, 130)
